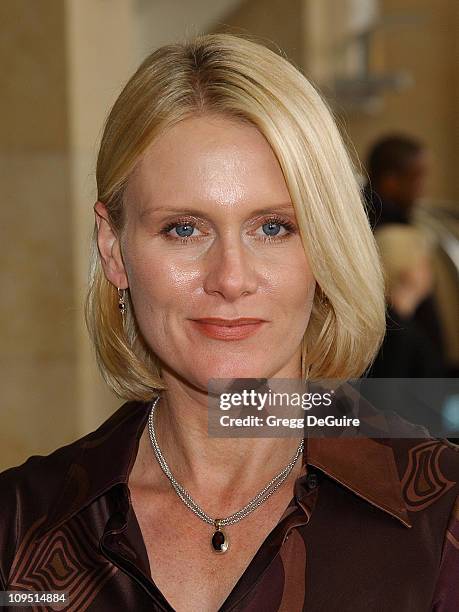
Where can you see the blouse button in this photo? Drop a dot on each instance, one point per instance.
(312, 481)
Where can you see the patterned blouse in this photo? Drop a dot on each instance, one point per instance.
(373, 525)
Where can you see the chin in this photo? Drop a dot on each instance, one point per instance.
(233, 372)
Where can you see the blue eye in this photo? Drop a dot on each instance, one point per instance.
(184, 233)
(187, 231)
(271, 228)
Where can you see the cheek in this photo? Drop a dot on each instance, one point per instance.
(302, 292)
(294, 282)
(159, 285)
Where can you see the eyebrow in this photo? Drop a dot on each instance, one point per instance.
(284, 207)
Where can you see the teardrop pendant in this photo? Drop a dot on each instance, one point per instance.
(220, 541)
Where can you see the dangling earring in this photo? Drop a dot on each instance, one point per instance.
(121, 302)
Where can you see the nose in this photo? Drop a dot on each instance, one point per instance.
(230, 270)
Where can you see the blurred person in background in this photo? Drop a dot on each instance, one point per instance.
(407, 351)
(398, 167)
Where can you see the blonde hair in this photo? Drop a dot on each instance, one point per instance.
(238, 78)
(402, 248)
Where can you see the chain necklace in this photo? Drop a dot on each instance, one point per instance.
(219, 540)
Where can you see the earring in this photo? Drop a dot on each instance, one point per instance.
(121, 302)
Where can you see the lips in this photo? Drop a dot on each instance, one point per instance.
(228, 329)
(229, 322)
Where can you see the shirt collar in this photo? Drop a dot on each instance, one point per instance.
(97, 462)
(105, 457)
(366, 466)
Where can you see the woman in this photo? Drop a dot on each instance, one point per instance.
(407, 351)
(230, 242)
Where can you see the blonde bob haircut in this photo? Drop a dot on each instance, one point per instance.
(235, 77)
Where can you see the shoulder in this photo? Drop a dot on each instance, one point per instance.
(39, 475)
(432, 462)
(428, 469)
(42, 475)
(46, 487)
(446, 596)
(413, 440)
(419, 454)
(37, 464)
(27, 492)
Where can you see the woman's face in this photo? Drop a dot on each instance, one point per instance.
(210, 231)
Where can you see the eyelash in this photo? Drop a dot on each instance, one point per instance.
(288, 225)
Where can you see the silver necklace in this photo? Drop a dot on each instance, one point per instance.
(219, 540)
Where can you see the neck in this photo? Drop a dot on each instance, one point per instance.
(225, 468)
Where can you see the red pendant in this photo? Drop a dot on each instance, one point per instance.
(220, 542)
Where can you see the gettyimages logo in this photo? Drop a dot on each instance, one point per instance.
(270, 399)
(271, 408)
(364, 407)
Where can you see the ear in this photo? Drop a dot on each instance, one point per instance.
(109, 248)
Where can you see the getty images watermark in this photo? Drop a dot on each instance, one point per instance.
(379, 408)
(261, 401)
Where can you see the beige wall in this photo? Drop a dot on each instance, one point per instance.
(61, 77)
(274, 21)
(159, 22)
(429, 109)
(308, 30)
(38, 357)
(100, 58)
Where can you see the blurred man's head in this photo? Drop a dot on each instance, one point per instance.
(397, 168)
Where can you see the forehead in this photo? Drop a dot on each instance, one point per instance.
(208, 158)
(417, 163)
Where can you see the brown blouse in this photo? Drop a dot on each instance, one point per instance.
(373, 525)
